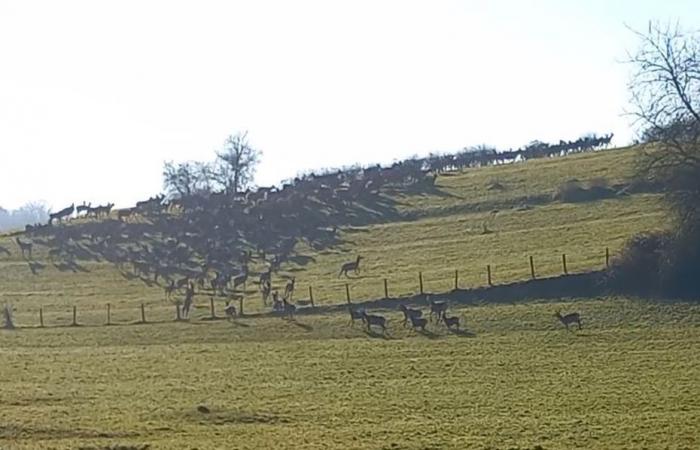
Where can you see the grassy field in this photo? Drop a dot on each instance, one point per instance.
(514, 378)
(629, 379)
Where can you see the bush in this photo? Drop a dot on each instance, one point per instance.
(658, 264)
(573, 191)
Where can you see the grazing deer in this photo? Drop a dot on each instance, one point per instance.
(289, 289)
(373, 319)
(418, 322)
(450, 321)
(437, 309)
(65, 212)
(230, 310)
(24, 247)
(289, 308)
(355, 314)
(354, 266)
(569, 319)
(408, 313)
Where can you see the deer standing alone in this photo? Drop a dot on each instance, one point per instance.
(569, 319)
(353, 266)
(24, 247)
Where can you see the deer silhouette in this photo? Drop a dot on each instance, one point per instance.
(353, 266)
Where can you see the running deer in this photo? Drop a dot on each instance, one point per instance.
(569, 319)
(437, 309)
(372, 319)
(65, 212)
(409, 313)
(24, 247)
(450, 321)
(351, 266)
(418, 322)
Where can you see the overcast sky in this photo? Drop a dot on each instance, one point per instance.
(96, 95)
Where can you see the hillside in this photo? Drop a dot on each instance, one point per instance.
(496, 215)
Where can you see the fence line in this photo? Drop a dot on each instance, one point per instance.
(348, 297)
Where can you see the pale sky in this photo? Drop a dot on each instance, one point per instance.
(96, 95)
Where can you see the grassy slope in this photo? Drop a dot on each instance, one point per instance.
(515, 379)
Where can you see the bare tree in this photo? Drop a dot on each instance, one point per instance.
(665, 99)
(187, 178)
(236, 164)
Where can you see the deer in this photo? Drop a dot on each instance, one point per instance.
(189, 297)
(437, 309)
(418, 322)
(265, 289)
(84, 208)
(348, 266)
(450, 321)
(277, 304)
(230, 310)
(241, 278)
(65, 212)
(569, 319)
(373, 319)
(409, 313)
(289, 289)
(25, 247)
(355, 314)
(288, 309)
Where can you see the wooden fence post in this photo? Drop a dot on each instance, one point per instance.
(240, 306)
(75, 316)
(607, 257)
(456, 279)
(109, 314)
(488, 274)
(532, 267)
(347, 292)
(41, 317)
(143, 313)
(563, 263)
(420, 281)
(311, 296)
(386, 288)
(211, 307)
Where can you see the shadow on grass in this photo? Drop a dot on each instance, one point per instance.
(374, 335)
(462, 333)
(303, 326)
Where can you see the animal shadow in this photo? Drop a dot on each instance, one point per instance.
(303, 326)
(462, 333)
